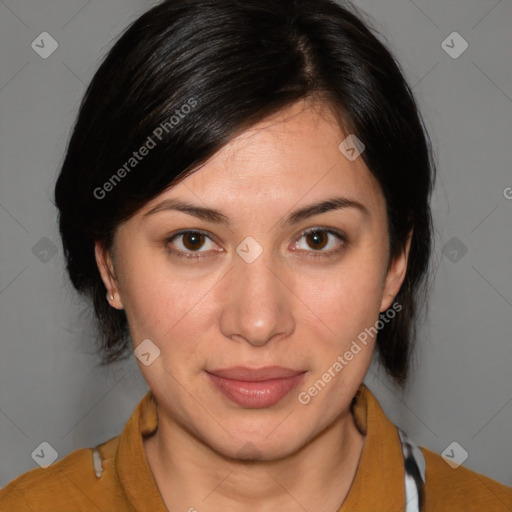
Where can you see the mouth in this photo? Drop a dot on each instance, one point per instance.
(255, 388)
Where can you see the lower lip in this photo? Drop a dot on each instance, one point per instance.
(256, 395)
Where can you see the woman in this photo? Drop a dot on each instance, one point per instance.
(245, 199)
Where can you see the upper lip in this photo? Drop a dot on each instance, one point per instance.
(255, 374)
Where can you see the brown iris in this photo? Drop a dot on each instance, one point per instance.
(316, 237)
(196, 240)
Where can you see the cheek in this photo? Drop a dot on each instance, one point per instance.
(349, 304)
(349, 298)
(178, 310)
(160, 302)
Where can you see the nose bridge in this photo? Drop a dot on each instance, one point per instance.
(257, 308)
(254, 266)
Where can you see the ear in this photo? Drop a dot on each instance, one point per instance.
(108, 276)
(396, 275)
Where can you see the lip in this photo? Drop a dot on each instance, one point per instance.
(255, 388)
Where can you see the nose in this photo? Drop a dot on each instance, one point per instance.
(258, 303)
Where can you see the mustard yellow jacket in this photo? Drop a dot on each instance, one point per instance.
(115, 476)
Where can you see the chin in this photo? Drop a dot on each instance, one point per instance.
(257, 447)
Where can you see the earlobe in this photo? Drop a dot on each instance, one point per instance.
(107, 272)
(396, 275)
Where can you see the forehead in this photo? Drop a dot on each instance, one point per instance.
(289, 158)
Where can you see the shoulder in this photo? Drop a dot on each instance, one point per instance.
(68, 484)
(461, 489)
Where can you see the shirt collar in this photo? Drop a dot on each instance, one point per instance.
(378, 483)
(379, 480)
(131, 463)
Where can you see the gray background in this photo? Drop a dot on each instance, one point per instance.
(50, 387)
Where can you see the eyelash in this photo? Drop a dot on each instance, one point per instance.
(190, 255)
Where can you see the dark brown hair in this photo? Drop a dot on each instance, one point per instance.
(190, 74)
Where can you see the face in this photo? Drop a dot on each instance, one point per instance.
(261, 281)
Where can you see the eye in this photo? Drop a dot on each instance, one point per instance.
(188, 242)
(320, 238)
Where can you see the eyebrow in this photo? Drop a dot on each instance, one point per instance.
(217, 217)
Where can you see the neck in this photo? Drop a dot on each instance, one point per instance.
(317, 477)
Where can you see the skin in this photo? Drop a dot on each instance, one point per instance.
(286, 308)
